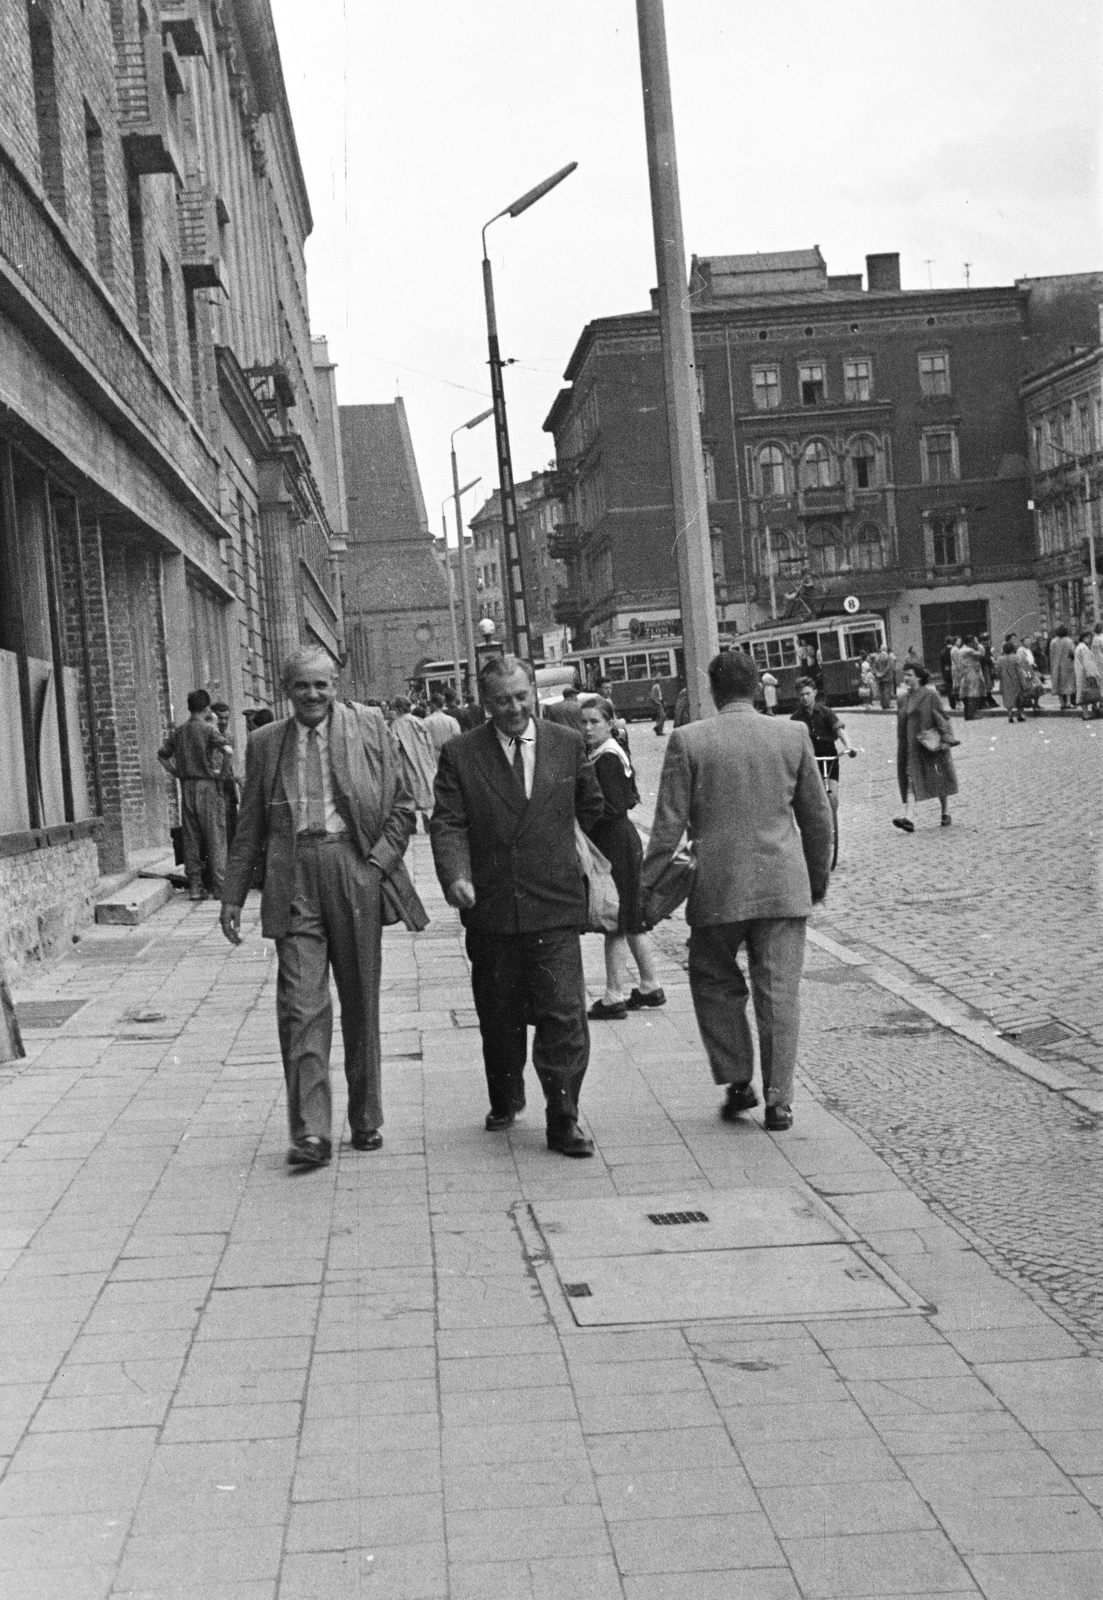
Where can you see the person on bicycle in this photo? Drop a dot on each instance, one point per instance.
(828, 736)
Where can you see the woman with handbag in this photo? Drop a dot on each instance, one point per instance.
(616, 837)
(924, 734)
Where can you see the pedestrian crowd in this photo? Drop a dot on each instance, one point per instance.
(529, 818)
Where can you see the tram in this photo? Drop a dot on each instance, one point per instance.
(630, 669)
(838, 642)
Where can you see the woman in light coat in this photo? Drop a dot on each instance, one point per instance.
(1087, 678)
(1062, 673)
(1012, 685)
(923, 774)
(973, 687)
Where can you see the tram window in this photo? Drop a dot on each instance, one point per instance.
(829, 646)
(614, 669)
(862, 642)
(637, 667)
(761, 659)
(658, 664)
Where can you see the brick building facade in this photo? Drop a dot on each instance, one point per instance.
(863, 441)
(395, 593)
(161, 441)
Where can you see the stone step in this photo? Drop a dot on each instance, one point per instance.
(134, 902)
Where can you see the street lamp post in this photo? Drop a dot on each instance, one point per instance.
(461, 553)
(516, 609)
(700, 633)
(458, 675)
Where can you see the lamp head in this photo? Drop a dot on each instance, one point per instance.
(541, 190)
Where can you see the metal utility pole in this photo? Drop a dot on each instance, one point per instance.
(461, 553)
(700, 635)
(516, 608)
(457, 678)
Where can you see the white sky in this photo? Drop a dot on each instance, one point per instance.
(951, 131)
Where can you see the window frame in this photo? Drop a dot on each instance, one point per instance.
(826, 460)
(811, 367)
(763, 369)
(934, 381)
(943, 431)
(775, 467)
(850, 378)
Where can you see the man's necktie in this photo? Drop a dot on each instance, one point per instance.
(519, 767)
(315, 791)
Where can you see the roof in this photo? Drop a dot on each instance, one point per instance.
(382, 486)
(769, 272)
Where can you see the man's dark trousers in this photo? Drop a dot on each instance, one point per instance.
(531, 978)
(335, 922)
(203, 819)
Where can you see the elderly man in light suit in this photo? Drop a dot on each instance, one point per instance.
(747, 790)
(325, 804)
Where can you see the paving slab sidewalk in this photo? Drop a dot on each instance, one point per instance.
(221, 1379)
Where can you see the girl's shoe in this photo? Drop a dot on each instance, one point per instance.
(905, 824)
(601, 1012)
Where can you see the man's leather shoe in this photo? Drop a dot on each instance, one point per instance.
(569, 1140)
(637, 999)
(497, 1122)
(366, 1139)
(740, 1097)
(309, 1152)
(779, 1119)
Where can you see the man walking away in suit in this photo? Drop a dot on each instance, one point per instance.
(749, 793)
(567, 712)
(325, 804)
(503, 836)
(193, 754)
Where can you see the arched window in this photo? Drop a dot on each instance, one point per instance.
(778, 554)
(863, 463)
(867, 549)
(826, 552)
(815, 466)
(771, 470)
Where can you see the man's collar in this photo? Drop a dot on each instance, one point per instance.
(307, 727)
(735, 705)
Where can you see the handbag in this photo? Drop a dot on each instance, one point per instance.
(1092, 693)
(931, 740)
(673, 885)
(602, 899)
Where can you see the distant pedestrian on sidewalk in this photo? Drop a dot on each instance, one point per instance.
(508, 796)
(1088, 688)
(1062, 672)
(567, 711)
(440, 725)
(658, 709)
(325, 805)
(1012, 687)
(924, 735)
(230, 792)
(193, 754)
(747, 790)
(946, 667)
(973, 690)
(615, 836)
(417, 754)
(884, 674)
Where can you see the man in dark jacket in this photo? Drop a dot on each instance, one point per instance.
(567, 712)
(503, 834)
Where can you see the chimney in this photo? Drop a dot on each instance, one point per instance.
(883, 272)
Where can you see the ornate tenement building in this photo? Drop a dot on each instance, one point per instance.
(539, 513)
(163, 515)
(1064, 418)
(859, 439)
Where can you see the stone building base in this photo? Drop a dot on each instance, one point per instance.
(45, 897)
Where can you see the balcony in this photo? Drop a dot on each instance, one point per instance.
(147, 137)
(569, 609)
(564, 541)
(200, 256)
(559, 483)
(822, 502)
(180, 23)
(272, 388)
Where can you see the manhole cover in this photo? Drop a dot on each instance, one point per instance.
(772, 1254)
(1047, 1033)
(46, 1013)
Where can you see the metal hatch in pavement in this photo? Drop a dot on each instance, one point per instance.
(762, 1254)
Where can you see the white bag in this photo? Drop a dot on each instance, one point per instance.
(602, 899)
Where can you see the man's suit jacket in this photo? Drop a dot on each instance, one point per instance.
(368, 791)
(749, 792)
(519, 854)
(567, 713)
